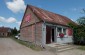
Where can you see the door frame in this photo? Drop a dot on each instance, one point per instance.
(51, 27)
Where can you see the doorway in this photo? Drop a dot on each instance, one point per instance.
(50, 34)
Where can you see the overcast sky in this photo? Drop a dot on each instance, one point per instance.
(12, 11)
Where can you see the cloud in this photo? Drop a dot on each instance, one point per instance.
(16, 5)
(74, 9)
(7, 20)
(77, 9)
(11, 20)
(19, 22)
(2, 19)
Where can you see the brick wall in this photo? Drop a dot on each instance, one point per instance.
(4, 34)
(28, 33)
(32, 18)
(27, 29)
(39, 33)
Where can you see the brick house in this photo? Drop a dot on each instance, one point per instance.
(5, 31)
(43, 27)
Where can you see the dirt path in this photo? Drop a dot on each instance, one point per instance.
(10, 47)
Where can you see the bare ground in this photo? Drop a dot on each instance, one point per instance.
(10, 47)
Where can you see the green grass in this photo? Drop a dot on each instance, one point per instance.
(29, 45)
(81, 47)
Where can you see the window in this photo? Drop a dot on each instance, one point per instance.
(59, 30)
(64, 31)
(3, 34)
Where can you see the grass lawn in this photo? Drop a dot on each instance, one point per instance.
(81, 47)
(29, 45)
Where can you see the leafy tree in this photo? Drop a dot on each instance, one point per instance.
(79, 31)
(81, 21)
(83, 10)
(14, 31)
(78, 34)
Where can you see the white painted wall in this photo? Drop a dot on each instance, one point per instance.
(64, 40)
(43, 34)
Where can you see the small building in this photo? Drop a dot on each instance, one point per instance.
(5, 31)
(43, 27)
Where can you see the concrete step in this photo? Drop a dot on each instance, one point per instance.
(65, 49)
(60, 47)
(64, 46)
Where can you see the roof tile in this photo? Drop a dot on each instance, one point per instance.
(49, 16)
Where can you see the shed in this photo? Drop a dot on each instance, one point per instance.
(44, 27)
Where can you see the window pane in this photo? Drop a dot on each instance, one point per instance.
(64, 31)
(59, 30)
(3, 33)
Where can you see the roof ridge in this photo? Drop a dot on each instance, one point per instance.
(50, 16)
(46, 10)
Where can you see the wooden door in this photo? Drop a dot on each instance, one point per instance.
(48, 35)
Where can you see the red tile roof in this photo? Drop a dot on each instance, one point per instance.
(49, 16)
(4, 29)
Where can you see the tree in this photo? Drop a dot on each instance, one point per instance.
(81, 21)
(78, 34)
(14, 31)
(83, 10)
(79, 31)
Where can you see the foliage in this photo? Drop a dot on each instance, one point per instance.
(83, 10)
(15, 31)
(78, 33)
(79, 30)
(81, 47)
(81, 21)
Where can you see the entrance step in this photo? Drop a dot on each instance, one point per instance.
(59, 47)
(64, 49)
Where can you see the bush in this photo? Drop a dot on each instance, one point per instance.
(78, 34)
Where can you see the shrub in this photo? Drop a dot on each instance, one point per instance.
(78, 34)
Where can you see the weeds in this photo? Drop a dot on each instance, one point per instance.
(29, 45)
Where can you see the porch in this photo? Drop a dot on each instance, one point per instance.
(51, 34)
(54, 47)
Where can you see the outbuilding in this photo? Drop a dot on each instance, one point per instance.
(5, 31)
(43, 27)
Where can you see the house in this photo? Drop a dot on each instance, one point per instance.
(5, 31)
(43, 27)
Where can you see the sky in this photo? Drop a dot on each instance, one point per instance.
(12, 11)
